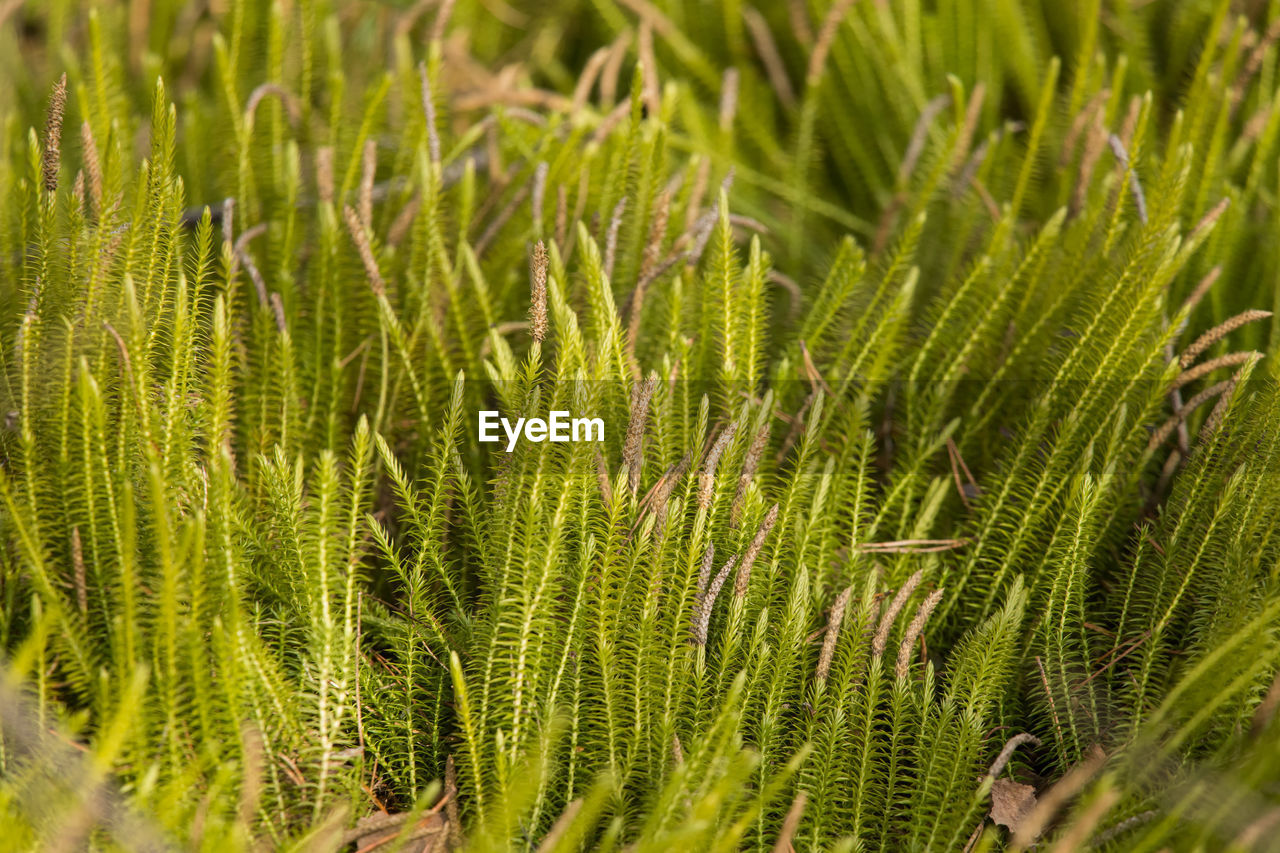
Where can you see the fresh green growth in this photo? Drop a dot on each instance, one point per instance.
(937, 504)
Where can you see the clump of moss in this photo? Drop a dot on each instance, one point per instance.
(935, 506)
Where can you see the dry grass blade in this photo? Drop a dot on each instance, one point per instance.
(1081, 829)
(560, 827)
(1266, 710)
(790, 823)
(912, 546)
(1052, 801)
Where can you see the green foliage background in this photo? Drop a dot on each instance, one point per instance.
(942, 435)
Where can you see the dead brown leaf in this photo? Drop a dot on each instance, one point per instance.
(1011, 802)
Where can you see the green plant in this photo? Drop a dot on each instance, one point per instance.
(980, 512)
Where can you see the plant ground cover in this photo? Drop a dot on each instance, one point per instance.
(936, 504)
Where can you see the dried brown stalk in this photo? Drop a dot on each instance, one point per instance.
(632, 455)
(1266, 709)
(429, 114)
(798, 11)
(1094, 142)
(1217, 333)
(587, 79)
(92, 167)
(1079, 123)
(889, 616)
(702, 618)
(292, 108)
(451, 802)
(537, 196)
(1054, 799)
(767, 50)
(704, 570)
(913, 632)
(1080, 830)
(790, 823)
(1210, 218)
(1010, 745)
(324, 173)
(652, 248)
(750, 463)
(602, 475)
(611, 241)
(913, 546)
(648, 69)
(1205, 368)
(77, 562)
(612, 69)
(368, 167)
(562, 215)
(661, 494)
(361, 239)
(1219, 411)
(551, 840)
(707, 480)
(441, 21)
(51, 157)
(1135, 184)
(834, 621)
(826, 37)
(743, 579)
(1202, 289)
(538, 291)
(728, 99)
(1161, 435)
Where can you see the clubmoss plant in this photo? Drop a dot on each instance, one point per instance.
(934, 347)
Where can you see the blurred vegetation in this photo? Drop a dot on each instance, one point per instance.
(933, 342)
